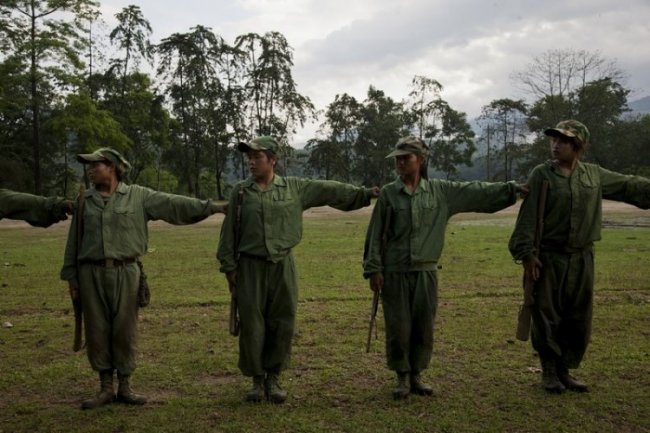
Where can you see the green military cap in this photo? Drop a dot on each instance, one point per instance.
(105, 154)
(265, 142)
(408, 145)
(570, 128)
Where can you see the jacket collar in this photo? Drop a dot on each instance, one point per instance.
(277, 181)
(423, 186)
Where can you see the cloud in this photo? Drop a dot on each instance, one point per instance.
(471, 46)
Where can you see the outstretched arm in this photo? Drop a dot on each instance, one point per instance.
(36, 210)
(634, 190)
(480, 196)
(338, 195)
(178, 209)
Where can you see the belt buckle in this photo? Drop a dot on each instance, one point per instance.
(110, 263)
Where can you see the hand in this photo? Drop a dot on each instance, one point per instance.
(232, 280)
(374, 191)
(63, 208)
(74, 291)
(532, 267)
(377, 282)
(68, 207)
(222, 208)
(522, 189)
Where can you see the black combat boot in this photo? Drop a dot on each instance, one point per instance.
(124, 393)
(419, 388)
(256, 393)
(569, 381)
(106, 393)
(550, 381)
(402, 390)
(274, 393)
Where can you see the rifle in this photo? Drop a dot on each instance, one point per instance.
(375, 297)
(526, 308)
(373, 316)
(76, 302)
(234, 315)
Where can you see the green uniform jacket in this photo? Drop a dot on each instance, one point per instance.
(573, 215)
(271, 223)
(416, 234)
(36, 210)
(118, 229)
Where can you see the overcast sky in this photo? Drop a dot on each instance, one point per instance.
(470, 46)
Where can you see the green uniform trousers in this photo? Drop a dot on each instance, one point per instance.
(109, 298)
(267, 295)
(561, 317)
(409, 300)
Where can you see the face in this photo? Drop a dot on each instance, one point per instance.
(100, 172)
(259, 164)
(408, 165)
(562, 149)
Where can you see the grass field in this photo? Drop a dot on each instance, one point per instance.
(483, 380)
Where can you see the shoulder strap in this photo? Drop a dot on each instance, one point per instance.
(81, 203)
(240, 201)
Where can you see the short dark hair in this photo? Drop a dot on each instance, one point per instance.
(579, 146)
(119, 171)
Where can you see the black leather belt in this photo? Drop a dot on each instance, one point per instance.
(254, 257)
(111, 263)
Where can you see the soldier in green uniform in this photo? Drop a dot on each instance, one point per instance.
(255, 252)
(103, 269)
(564, 271)
(403, 245)
(36, 210)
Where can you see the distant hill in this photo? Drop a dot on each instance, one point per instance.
(640, 106)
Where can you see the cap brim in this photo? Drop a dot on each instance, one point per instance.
(555, 132)
(398, 152)
(243, 147)
(90, 157)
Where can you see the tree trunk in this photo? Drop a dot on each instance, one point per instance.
(36, 118)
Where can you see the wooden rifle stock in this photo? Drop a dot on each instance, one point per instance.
(525, 311)
(234, 315)
(233, 322)
(373, 317)
(375, 297)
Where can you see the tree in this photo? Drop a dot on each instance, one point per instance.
(132, 36)
(201, 72)
(382, 125)
(629, 148)
(140, 111)
(599, 105)
(343, 119)
(506, 121)
(454, 145)
(326, 157)
(49, 34)
(276, 108)
(81, 127)
(425, 100)
(444, 129)
(187, 65)
(561, 72)
(569, 84)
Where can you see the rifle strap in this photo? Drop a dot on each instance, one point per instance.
(81, 204)
(237, 228)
